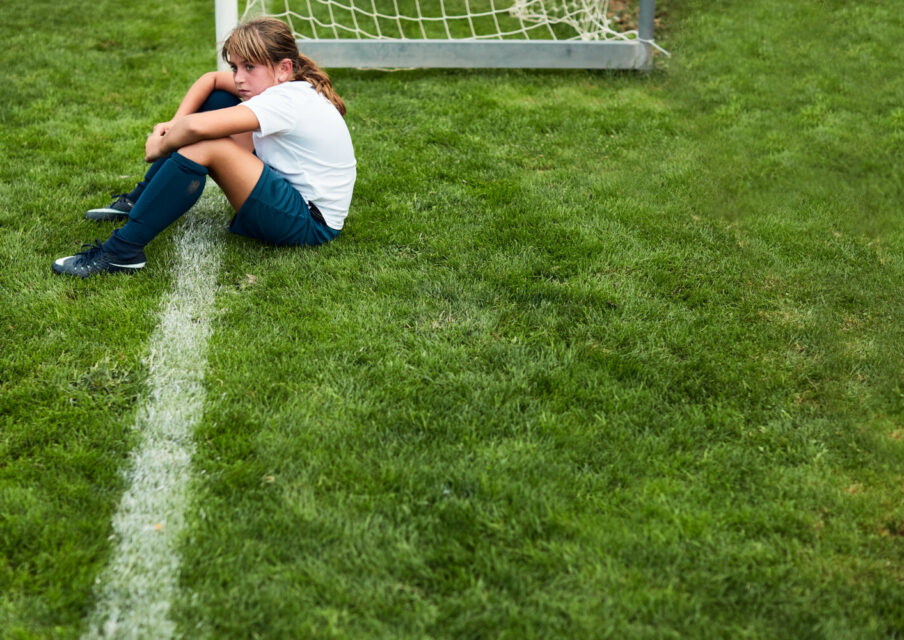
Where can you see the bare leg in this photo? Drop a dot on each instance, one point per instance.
(232, 166)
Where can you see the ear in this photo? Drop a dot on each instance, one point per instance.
(284, 70)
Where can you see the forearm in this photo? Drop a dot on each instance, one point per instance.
(195, 127)
(196, 95)
(179, 135)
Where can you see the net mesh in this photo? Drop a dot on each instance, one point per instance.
(445, 19)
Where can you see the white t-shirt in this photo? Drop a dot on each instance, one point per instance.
(304, 139)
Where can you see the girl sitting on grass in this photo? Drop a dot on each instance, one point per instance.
(271, 133)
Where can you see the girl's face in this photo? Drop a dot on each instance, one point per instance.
(251, 79)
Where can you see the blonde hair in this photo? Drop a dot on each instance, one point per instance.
(269, 41)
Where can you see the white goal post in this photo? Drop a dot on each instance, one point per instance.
(381, 34)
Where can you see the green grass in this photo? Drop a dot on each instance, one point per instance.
(597, 355)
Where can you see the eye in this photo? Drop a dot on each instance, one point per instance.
(249, 68)
(233, 67)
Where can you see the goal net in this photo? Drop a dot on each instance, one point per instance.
(468, 33)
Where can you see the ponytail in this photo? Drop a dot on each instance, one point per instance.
(307, 69)
(268, 41)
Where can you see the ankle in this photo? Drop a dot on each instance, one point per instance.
(121, 248)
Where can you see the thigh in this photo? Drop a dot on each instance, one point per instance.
(275, 212)
(244, 140)
(231, 166)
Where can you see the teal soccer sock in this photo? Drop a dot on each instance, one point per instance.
(174, 189)
(135, 193)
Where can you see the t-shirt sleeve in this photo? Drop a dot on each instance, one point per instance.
(274, 111)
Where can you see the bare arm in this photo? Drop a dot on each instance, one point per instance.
(197, 94)
(202, 88)
(200, 126)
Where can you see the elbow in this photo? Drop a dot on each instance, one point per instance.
(210, 79)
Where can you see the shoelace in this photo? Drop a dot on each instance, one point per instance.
(122, 196)
(88, 252)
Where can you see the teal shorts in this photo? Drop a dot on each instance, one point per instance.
(275, 212)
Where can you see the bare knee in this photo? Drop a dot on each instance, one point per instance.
(202, 152)
(216, 153)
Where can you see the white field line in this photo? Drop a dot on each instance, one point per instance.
(135, 590)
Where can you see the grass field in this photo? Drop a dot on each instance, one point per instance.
(598, 355)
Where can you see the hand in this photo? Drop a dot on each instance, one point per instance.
(153, 147)
(161, 128)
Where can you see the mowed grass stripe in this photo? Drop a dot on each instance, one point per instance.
(138, 585)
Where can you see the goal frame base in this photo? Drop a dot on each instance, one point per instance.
(479, 54)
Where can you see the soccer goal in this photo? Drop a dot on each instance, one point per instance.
(380, 34)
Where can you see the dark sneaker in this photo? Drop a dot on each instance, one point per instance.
(94, 260)
(119, 210)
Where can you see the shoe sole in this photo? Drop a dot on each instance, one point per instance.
(103, 215)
